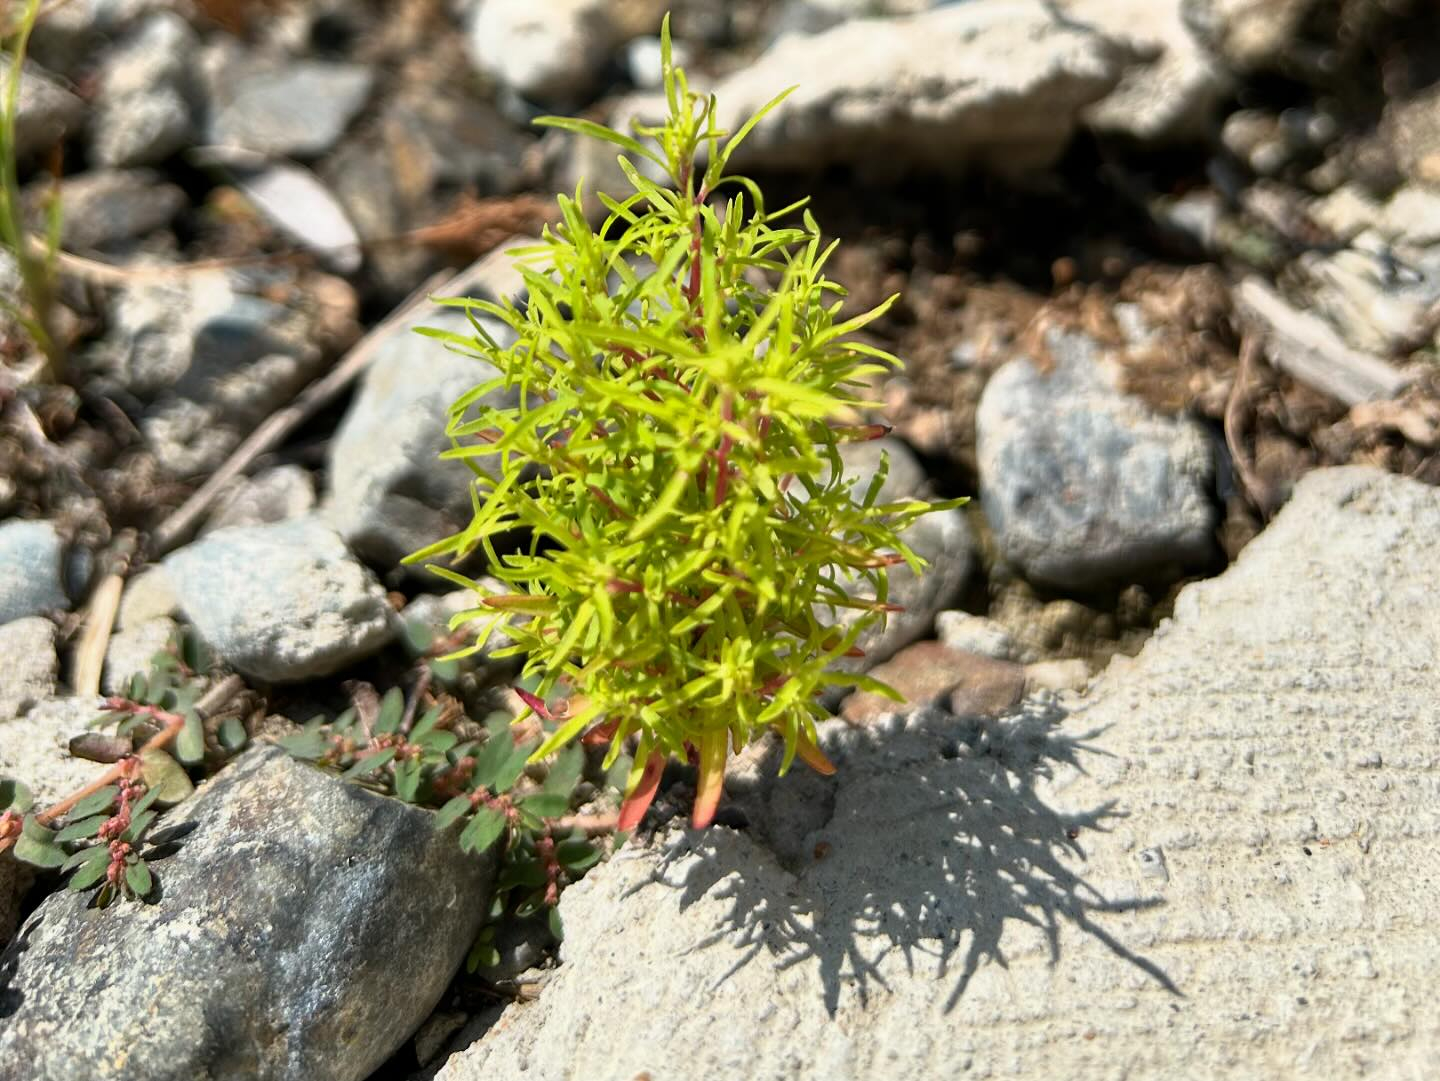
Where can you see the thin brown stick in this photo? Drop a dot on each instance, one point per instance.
(211, 701)
(1256, 490)
(593, 825)
(275, 428)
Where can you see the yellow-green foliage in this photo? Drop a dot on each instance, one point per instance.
(679, 373)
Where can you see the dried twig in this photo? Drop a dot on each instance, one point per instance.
(1256, 490)
(100, 621)
(280, 424)
(1306, 347)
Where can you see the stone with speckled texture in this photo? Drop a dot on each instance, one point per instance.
(304, 930)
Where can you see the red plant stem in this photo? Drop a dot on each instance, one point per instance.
(212, 700)
(722, 456)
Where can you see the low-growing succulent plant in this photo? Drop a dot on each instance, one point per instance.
(684, 382)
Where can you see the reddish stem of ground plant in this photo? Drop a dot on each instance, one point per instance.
(217, 696)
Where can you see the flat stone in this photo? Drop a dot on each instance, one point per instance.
(272, 495)
(929, 673)
(1172, 90)
(1084, 485)
(47, 111)
(390, 494)
(1068, 674)
(1238, 825)
(148, 93)
(32, 559)
(34, 751)
(30, 665)
(296, 109)
(1249, 35)
(281, 602)
(977, 634)
(111, 206)
(300, 946)
(212, 358)
(1000, 84)
(131, 651)
(149, 595)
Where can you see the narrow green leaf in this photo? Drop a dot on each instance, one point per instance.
(87, 855)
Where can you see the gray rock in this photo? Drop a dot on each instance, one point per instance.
(943, 539)
(33, 751)
(211, 358)
(389, 492)
(1084, 485)
(30, 666)
(281, 602)
(148, 90)
(551, 52)
(149, 595)
(272, 495)
(1248, 35)
(813, 16)
(305, 943)
(975, 897)
(32, 562)
(1412, 216)
(71, 35)
(109, 207)
(296, 109)
(976, 634)
(1001, 84)
(132, 650)
(47, 112)
(1378, 299)
(142, 129)
(1174, 87)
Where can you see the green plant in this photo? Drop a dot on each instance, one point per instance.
(35, 264)
(681, 374)
(479, 788)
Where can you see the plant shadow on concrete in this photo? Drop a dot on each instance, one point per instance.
(938, 843)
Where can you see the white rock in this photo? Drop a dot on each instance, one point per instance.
(543, 50)
(976, 634)
(29, 666)
(999, 83)
(131, 651)
(1174, 87)
(973, 905)
(32, 558)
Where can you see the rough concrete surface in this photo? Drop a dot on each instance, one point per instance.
(1222, 866)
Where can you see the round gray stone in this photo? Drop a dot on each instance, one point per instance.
(281, 602)
(32, 558)
(303, 930)
(1084, 485)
